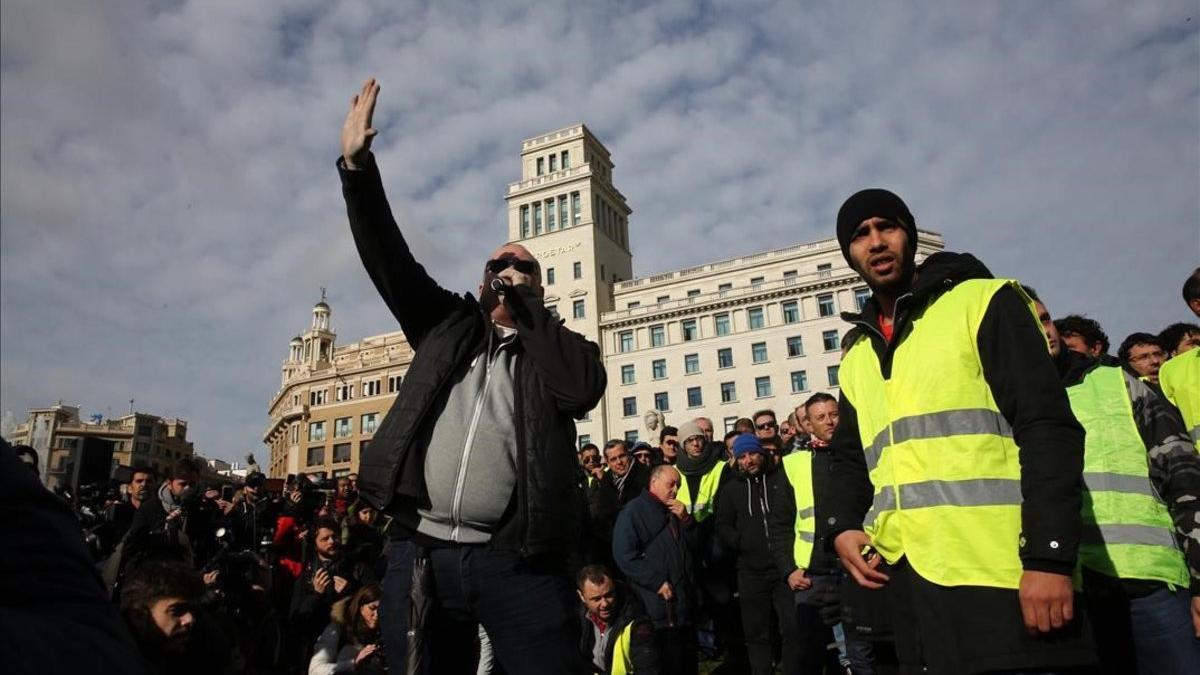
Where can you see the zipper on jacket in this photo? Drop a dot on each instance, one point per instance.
(472, 428)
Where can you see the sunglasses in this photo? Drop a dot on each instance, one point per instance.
(498, 265)
(766, 425)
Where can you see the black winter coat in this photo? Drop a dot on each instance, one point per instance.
(559, 376)
(651, 552)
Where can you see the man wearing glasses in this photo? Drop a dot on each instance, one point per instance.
(475, 460)
(765, 425)
(1142, 356)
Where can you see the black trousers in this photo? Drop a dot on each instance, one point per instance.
(677, 654)
(959, 630)
(762, 593)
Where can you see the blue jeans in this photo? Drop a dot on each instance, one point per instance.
(1162, 633)
(526, 613)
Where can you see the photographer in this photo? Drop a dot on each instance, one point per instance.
(351, 643)
(161, 525)
(137, 490)
(252, 518)
(325, 579)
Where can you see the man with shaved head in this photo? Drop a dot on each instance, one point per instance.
(475, 460)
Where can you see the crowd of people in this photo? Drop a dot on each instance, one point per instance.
(989, 491)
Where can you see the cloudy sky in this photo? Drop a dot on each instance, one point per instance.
(170, 208)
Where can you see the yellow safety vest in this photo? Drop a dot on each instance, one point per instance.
(705, 503)
(939, 453)
(798, 468)
(622, 663)
(1127, 530)
(1180, 382)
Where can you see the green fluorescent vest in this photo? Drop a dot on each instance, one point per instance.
(940, 455)
(798, 467)
(1127, 530)
(622, 664)
(1180, 382)
(703, 505)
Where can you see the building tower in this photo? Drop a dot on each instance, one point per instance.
(567, 212)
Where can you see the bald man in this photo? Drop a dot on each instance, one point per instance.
(475, 460)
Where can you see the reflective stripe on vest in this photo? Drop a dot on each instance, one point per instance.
(622, 664)
(705, 500)
(938, 451)
(798, 468)
(1180, 382)
(1127, 530)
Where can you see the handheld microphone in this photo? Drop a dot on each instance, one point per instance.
(499, 285)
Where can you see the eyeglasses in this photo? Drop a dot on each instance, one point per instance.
(500, 264)
(766, 425)
(1141, 358)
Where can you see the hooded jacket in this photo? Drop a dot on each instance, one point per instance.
(744, 507)
(1025, 385)
(558, 376)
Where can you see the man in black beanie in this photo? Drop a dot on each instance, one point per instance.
(957, 459)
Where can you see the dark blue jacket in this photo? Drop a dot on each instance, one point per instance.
(647, 551)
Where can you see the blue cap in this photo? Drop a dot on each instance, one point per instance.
(746, 442)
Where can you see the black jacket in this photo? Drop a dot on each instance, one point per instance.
(1027, 390)
(650, 551)
(744, 505)
(782, 520)
(559, 377)
(642, 651)
(636, 483)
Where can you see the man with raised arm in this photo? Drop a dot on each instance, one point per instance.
(475, 460)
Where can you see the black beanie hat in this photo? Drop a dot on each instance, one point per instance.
(873, 203)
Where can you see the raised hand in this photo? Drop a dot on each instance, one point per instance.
(357, 131)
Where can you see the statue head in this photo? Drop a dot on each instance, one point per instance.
(653, 420)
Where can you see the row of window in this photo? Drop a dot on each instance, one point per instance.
(728, 390)
(342, 427)
(553, 162)
(576, 273)
(345, 392)
(830, 341)
(315, 456)
(553, 212)
(825, 303)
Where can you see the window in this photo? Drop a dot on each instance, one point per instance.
(294, 432)
(625, 338)
(524, 221)
(758, 352)
(369, 422)
(756, 282)
(724, 289)
(341, 452)
(825, 305)
(658, 368)
(829, 339)
(576, 209)
(631, 437)
(658, 336)
(549, 276)
(318, 397)
(661, 402)
(795, 346)
(553, 163)
(345, 392)
(316, 431)
(730, 423)
(694, 398)
(791, 311)
(566, 159)
(722, 324)
(537, 218)
(577, 309)
(562, 211)
(550, 222)
(602, 272)
(370, 388)
(633, 305)
(341, 427)
(577, 270)
(799, 381)
(861, 296)
(690, 330)
(693, 292)
(541, 165)
(725, 357)
(832, 373)
(789, 277)
(691, 364)
(629, 406)
(728, 392)
(824, 270)
(755, 318)
(393, 384)
(584, 439)
(316, 456)
(627, 374)
(762, 386)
